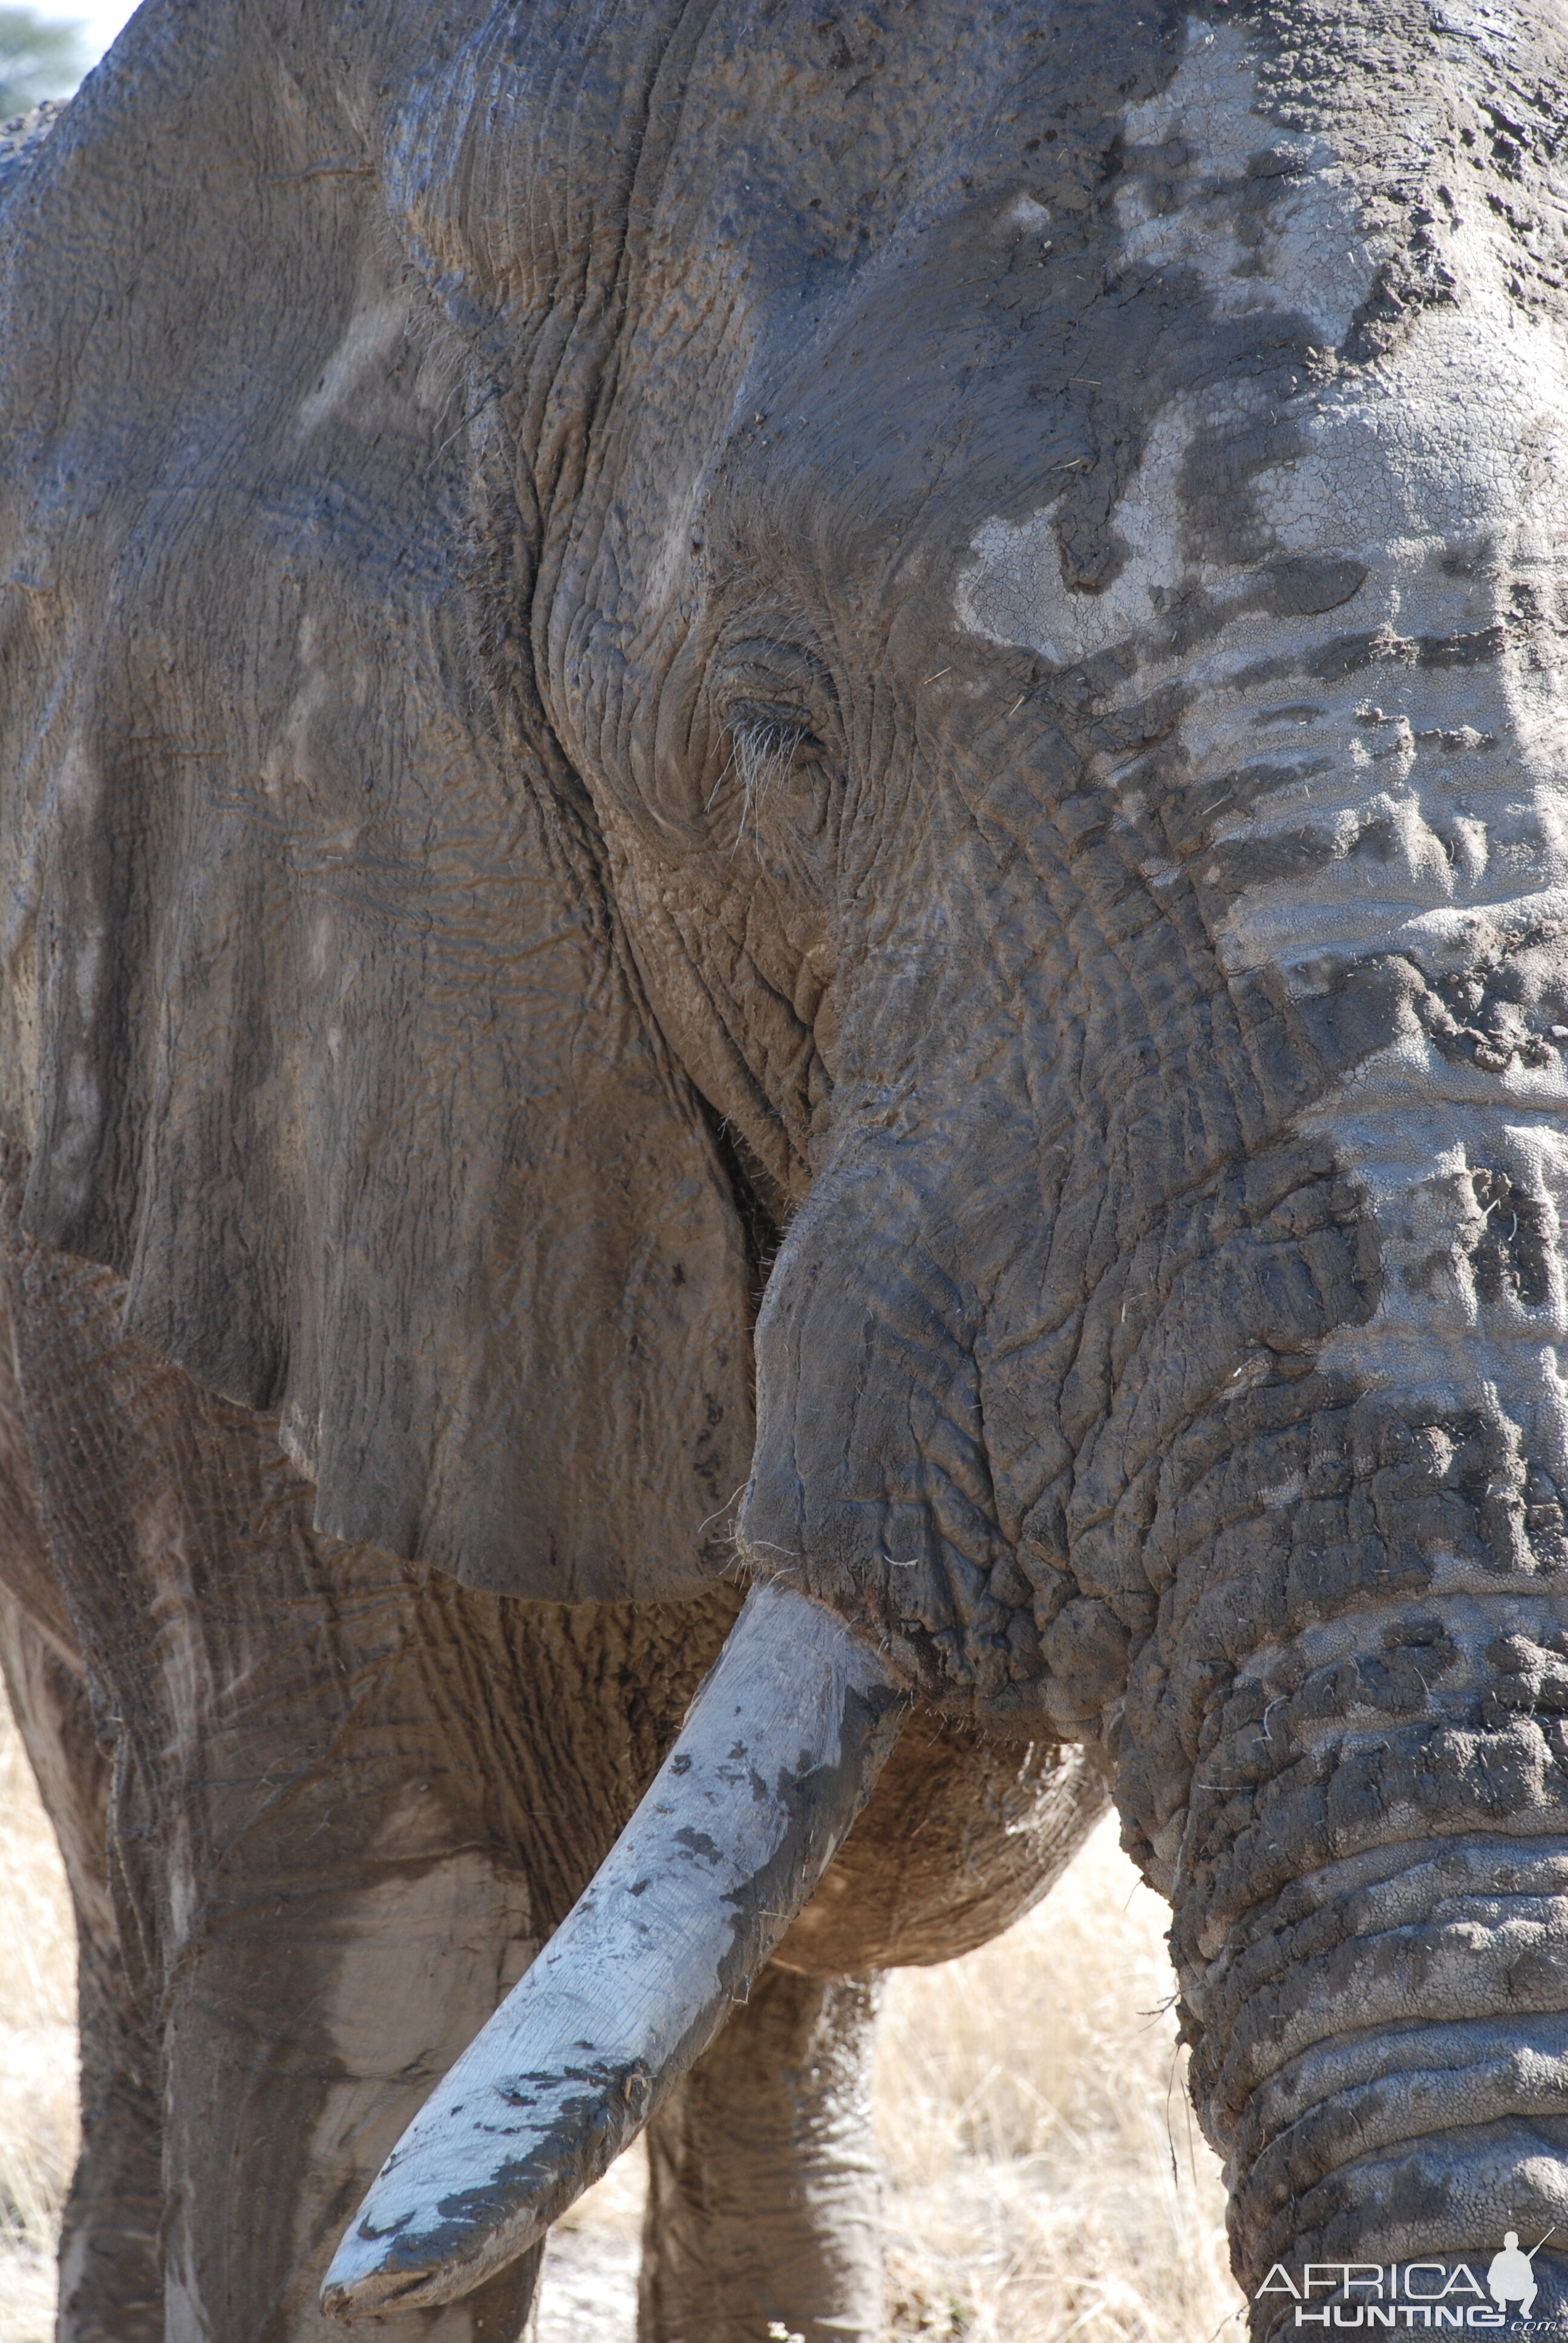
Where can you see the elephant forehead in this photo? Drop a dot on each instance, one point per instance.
(1267, 215)
(1261, 476)
(1339, 536)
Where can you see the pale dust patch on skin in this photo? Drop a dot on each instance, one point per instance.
(1317, 257)
(1312, 256)
(38, 2091)
(434, 1949)
(360, 361)
(1438, 801)
(1426, 798)
(292, 771)
(1494, 27)
(458, 1919)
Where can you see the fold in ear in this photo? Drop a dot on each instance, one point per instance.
(320, 1023)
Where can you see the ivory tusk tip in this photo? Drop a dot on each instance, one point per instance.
(460, 2197)
(369, 2276)
(416, 2266)
(361, 2283)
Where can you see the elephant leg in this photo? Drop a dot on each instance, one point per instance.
(350, 1799)
(309, 1887)
(763, 2181)
(110, 2285)
(301, 2038)
(333, 1913)
(389, 1794)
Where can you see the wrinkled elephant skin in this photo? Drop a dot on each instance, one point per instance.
(782, 786)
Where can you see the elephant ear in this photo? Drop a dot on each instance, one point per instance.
(318, 1018)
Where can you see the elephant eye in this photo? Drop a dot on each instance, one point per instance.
(766, 744)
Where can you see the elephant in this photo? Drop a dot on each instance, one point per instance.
(783, 1042)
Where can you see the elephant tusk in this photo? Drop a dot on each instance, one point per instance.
(778, 1753)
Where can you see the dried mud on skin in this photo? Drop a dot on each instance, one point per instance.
(1041, 2172)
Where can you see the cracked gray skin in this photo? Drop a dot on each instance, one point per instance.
(907, 659)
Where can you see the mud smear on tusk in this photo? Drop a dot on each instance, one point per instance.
(779, 1751)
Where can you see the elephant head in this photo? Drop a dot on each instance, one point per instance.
(908, 661)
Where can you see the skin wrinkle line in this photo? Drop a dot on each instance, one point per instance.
(1393, 1862)
(1461, 2034)
(1510, 1919)
(1341, 1637)
(1454, 1579)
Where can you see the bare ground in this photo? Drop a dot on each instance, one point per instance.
(1044, 2179)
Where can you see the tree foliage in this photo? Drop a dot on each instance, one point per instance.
(40, 56)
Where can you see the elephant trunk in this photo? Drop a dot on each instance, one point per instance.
(778, 1753)
(1371, 1882)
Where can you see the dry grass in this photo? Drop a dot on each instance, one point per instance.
(37, 2048)
(1044, 2179)
(1045, 2175)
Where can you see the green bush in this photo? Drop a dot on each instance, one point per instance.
(40, 56)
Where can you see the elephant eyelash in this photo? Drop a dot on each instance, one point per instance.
(762, 750)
